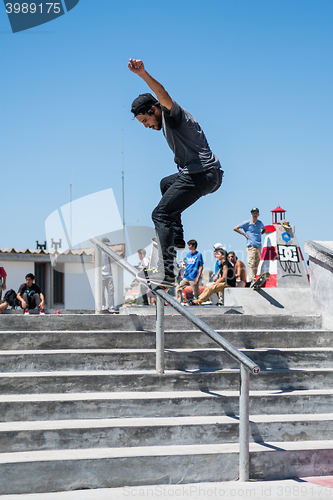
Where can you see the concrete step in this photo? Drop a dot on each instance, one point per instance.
(306, 488)
(136, 322)
(175, 359)
(166, 431)
(61, 470)
(137, 380)
(97, 405)
(86, 339)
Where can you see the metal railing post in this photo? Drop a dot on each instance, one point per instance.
(159, 334)
(98, 280)
(244, 424)
(246, 364)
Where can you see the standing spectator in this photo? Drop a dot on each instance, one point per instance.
(30, 295)
(240, 270)
(143, 264)
(193, 271)
(3, 277)
(226, 279)
(107, 280)
(253, 229)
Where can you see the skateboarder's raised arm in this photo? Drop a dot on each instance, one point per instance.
(137, 67)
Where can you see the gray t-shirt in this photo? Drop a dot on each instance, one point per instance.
(187, 141)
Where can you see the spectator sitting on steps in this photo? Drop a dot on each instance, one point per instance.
(226, 279)
(240, 269)
(30, 295)
(3, 305)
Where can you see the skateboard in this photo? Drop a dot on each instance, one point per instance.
(144, 278)
(260, 281)
(153, 259)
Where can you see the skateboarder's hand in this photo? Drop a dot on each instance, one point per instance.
(136, 66)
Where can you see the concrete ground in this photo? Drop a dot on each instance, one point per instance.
(315, 488)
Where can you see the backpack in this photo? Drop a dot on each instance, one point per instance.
(10, 297)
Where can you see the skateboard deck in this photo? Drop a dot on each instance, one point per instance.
(153, 257)
(150, 282)
(260, 281)
(153, 261)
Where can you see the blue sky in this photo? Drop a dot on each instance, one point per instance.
(257, 75)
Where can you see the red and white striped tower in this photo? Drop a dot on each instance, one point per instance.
(281, 255)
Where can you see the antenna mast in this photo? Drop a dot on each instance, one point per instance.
(122, 174)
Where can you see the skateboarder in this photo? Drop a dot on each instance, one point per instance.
(199, 170)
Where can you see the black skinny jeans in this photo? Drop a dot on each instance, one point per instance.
(179, 191)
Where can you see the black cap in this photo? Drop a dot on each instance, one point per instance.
(143, 103)
(254, 210)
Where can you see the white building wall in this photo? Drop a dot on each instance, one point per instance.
(16, 272)
(79, 282)
(78, 292)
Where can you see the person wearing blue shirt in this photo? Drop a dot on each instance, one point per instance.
(253, 229)
(217, 247)
(193, 271)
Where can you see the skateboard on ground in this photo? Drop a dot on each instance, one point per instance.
(260, 281)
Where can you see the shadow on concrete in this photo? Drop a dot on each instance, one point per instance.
(270, 299)
(225, 403)
(137, 322)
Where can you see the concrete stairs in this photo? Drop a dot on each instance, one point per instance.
(83, 407)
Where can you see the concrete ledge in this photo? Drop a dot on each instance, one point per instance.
(321, 278)
(320, 250)
(117, 322)
(172, 380)
(109, 467)
(204, 310)
(212, 359)
(270, 300)
(181, 339)
(118, 405)
(314, 488)
(193, 430)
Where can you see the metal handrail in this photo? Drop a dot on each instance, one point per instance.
(246, 364)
